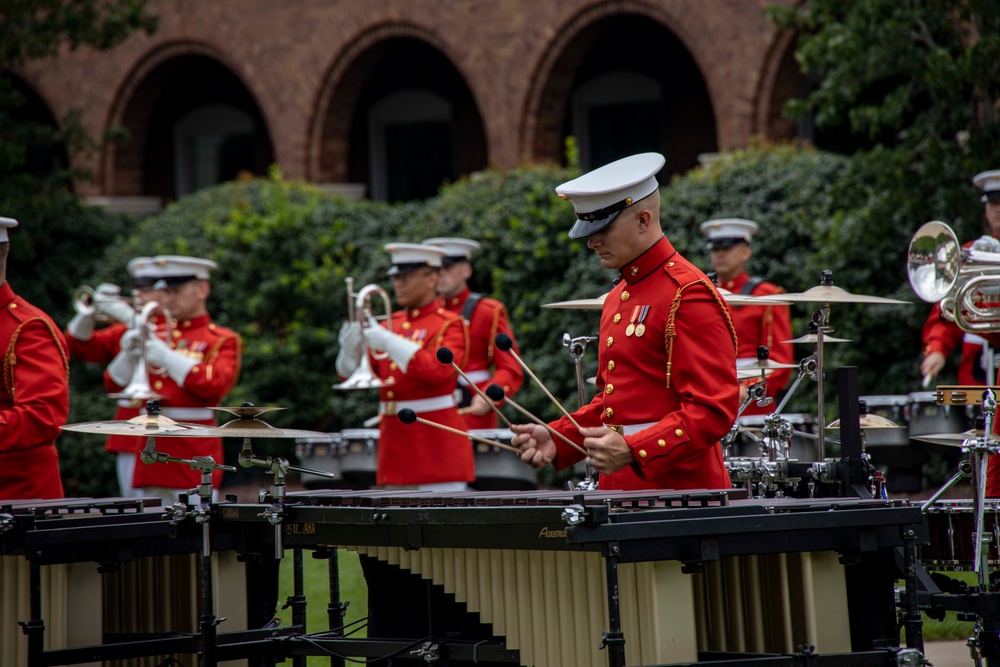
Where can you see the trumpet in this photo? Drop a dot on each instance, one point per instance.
(963, 281)
(139, 390)
(361, 308)
(105, 303)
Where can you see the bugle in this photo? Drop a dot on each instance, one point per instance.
(362, 309)
(105, 303)
(138, 390)
(962, 280)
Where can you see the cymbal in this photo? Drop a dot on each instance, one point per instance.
(142, 426)
(752, 374)
(247, 428)
(834, 294)
(952, 439)
(869, 421)
(812, 338)
(734, 299)
(765, 363)
(247, 410)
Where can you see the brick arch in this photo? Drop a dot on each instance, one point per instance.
(136, 103)
(542, 118)
(780, 81)
(337, 102)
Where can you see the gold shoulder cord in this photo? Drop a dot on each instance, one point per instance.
(10, 358)
(670, 332)
(209, 359)
(465, 331)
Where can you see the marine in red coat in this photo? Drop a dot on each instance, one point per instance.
(485, 318)
(192, 371)
(667, 352)
(729, 247)
(34, 397)
(416, 454)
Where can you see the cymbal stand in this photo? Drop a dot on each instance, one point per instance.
(806, 367)
(577, 346)
(279, 467)
(821, 318)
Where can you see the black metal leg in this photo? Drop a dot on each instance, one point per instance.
(911, 621)
(35, 627)
(613, 639)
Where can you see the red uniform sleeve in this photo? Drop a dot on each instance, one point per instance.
(100, 349)
(507, 372)
(217, 372)
(940, 335)
(40, 384)
(453, 335)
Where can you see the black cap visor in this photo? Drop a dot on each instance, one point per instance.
(162, 282)
(992, 195)
(408, 267)
(723, 244)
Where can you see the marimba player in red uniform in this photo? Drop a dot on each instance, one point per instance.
(729, 252)
(34, 398)
(666, 353)
(485, 318)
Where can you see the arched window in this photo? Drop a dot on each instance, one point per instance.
(212, 145)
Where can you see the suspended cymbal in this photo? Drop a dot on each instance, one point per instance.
(834, 294)
(812, 338)
(734, 299)
(579, 304)
(247, 410)
(248, 428)
(869, 421)
(757, 364)
(952, 439)
(142, 426)
(752, 374)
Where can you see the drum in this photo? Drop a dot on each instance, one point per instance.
(359, 456)
(499, 469)
(926, 416)
(893, 408)
(321, 453)
(951, 526)
(803, 447)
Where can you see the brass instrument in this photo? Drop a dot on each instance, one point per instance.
(361, 309)
(139, 390)
(960, 279)
(88, 301)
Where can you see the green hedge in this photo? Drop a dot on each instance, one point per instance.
(284, 250)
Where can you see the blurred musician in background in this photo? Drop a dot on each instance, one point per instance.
(415, 455)
(34, 398)
(729, 251)
(192, 372)
(485, 318)
(978, 362)
(667, 362)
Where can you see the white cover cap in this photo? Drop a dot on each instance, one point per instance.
(601, 195)
(5, 224)
(724, 232)
(412, 256)
(456, 249)
(167, 270)
(989, 183)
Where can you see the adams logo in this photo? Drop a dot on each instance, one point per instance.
(548, 532)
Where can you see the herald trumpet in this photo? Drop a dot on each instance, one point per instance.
(963, 281)
(105, 303)
(361, 308)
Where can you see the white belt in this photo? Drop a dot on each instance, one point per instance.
(475, 376)
(177, 414)
(418, 405)
(974, 339)
(629, 429)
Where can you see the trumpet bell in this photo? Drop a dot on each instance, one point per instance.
(362, 378)
(934, 261)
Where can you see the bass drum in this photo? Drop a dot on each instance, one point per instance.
(321, 453)
(499, 469)
(359, 456)
(803, 447)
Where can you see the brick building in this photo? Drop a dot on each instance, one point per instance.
(388, 98)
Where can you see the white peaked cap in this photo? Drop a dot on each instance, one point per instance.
(455, 248)
(170, 266)
(5, 224)
(727, 231)
(410, 256)
(601, 195)
(989, 183)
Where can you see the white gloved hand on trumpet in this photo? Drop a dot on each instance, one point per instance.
(399, 349)
(349, 356)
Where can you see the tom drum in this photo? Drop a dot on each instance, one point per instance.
(359, 456)
(500, 469)
(320, 453)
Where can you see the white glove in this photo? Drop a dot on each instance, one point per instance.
(176, 364)
(349, 356)
(81, 327)
(108, 300)
(122, 366)
(399, 349)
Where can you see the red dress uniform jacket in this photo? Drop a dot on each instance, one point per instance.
(218, 350)
(488, 319)
(762, 325)
(679, 376)
(417, 453)
(34, 399)
(941, 335)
